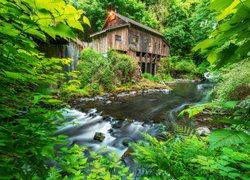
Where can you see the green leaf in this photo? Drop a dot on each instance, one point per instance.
(246, 3)
(212, 57)
(227, 55)
(48, 151)
(227, 137)
(229, 104)
(107, 176)
(14, 75)
(200, 178)
(86, 21)
(228, 121)
(65, 31)
(230, 9)
(220, 4)
(36, 33)
(234, 175)
(227, 168)
(75, 24)
(50, 31)
(243, 50)
(241, 14)
(204, 44)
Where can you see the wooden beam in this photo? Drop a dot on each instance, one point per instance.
(151, 66)
(155, 68)
(141, 61)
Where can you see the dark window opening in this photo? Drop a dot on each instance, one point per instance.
(147, 41)
(143, 67)
(138, 54)
(118, 38)
(122, 52)
(153, 69)
(135, 39)
(164, 45)
(148, 67)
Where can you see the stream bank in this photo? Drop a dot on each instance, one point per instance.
(145, 86)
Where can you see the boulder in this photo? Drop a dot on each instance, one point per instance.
(99, 136)
(127, 152)
(93, 115)
(108, 102)
(106, 118)
(203, 131)
(126, 142)
(117, 125)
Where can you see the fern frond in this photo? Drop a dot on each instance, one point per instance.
(184, 131)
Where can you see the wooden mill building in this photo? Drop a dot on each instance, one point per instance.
(125, 35)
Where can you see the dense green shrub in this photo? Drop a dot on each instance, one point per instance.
(115, 69)
(163, 70)
(91, 62)
(123, 66)
(191, 158)
(202, 68)
(235, 82)
(185, 66)
(178, 64)
(71, 90)
(150, 77)
(93, 88)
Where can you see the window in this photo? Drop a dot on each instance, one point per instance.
(147, 41)
(135, 39)
(118, 38)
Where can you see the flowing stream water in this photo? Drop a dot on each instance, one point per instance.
(122, 120)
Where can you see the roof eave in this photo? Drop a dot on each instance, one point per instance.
(109, 29)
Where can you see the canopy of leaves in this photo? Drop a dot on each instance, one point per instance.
(28, 111)
(229, 43)
(97, 11)
(186, 24)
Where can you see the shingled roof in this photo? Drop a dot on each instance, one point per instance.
(128, 21)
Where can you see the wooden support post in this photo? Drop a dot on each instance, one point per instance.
(141, 61)
(146, 64)
(155, 68)
(151, 65)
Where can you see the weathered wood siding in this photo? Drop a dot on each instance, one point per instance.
(142, 41)
(164, 49)
(114, 43)
(100, 43)
(113, 21)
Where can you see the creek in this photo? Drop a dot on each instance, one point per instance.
(123, 119)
